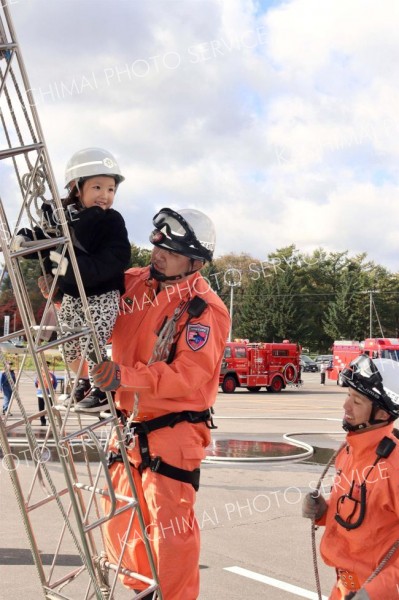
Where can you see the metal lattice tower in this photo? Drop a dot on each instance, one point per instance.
(70, 501)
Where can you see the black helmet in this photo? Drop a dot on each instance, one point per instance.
(377, 379)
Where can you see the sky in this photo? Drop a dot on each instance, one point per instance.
(279, 119)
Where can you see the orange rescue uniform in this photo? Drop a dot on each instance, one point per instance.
(359, 551)
(189, 382)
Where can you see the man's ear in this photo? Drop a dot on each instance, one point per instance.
(197, 265)
(382, 414)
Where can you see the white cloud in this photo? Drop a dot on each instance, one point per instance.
(282, 125)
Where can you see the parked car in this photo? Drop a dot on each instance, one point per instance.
(307, 364)
(324, 359)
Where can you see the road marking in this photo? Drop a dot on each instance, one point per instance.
(282, 585)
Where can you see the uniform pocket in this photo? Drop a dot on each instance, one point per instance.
(192, 456)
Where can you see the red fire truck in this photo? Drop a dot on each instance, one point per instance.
(381, 348)
(344, 351)
(270, 365)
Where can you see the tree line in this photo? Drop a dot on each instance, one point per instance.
(312, 299)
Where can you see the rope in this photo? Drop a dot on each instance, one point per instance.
(165, 338)
(161, 349)
(382, 564)
(314, 527)
(384, 561)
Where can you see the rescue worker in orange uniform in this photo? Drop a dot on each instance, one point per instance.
(167, 347)
(361, 517)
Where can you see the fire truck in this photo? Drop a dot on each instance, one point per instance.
(381, 348)
(257, 365)
(344, 351)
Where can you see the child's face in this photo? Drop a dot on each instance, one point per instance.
(98, 191)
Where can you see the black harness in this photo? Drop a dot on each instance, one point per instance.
(194, 308)
(156, 464)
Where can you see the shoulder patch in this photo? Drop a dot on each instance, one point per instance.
(197, 335)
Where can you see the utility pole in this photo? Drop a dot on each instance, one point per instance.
(232, 281)
(371, 292)
(231, 311)
(371, 314)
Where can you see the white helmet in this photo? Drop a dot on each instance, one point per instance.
(188, 232)
(90, 162)
(389, 370)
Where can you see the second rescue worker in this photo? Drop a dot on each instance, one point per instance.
(165, 370)
(361, 517)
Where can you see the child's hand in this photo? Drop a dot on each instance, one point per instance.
(18, 242)
(44, 282)
(60, 260)
(106, 376)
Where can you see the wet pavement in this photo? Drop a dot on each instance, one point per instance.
(248, 506)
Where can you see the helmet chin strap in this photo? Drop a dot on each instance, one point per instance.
(349, 427)
(372, 421)
(161, 277)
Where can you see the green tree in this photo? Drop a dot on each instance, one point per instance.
(30, 271)
(140, 257)
(230, 276)
(269, 308)
(345, 318)
(382, 297)
(283, 306)
(254, 322)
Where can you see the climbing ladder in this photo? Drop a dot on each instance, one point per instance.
(60, 500)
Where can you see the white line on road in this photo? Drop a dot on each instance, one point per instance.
(282, 585)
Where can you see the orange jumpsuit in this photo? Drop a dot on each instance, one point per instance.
(361, 550)
(190, 382)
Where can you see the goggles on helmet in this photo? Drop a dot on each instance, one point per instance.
(363, 375)
(174, 232)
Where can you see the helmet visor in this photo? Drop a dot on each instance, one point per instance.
(363, 375)
(173, 231)
(173, 226)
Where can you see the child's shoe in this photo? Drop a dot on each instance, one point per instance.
(96, 401)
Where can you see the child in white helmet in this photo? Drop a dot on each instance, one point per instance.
(103, 253)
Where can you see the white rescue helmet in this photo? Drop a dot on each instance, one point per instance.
(90, 162)
(378, 379)
(389, 370)
(188, 232)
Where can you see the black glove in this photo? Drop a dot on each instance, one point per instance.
(360, 595)
(313, 506)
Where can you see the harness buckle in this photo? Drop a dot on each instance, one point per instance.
(191, 418)
(112, 458)
(155, 463)
(348, 580)
(129, 437)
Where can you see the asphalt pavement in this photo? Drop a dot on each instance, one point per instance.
(255, 544)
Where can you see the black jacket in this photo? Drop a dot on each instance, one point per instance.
(102, 251)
